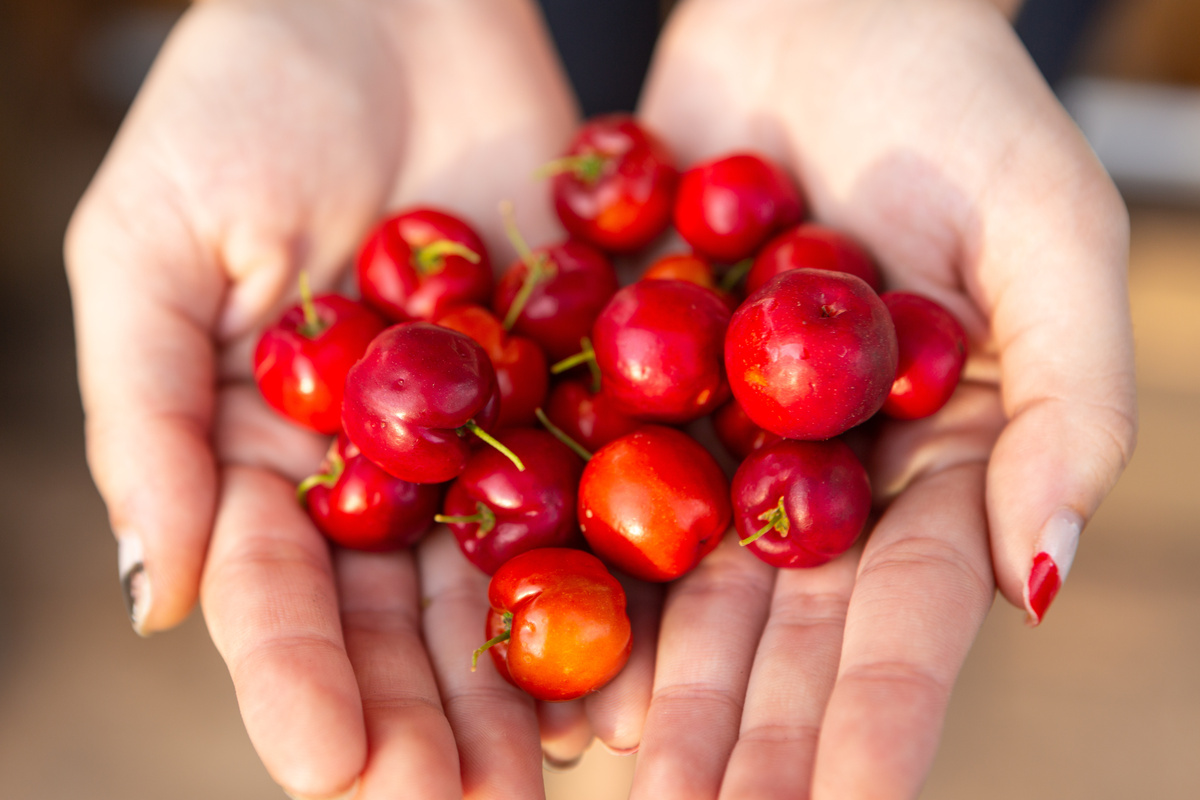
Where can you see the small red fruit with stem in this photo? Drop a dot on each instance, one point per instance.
(615, 186)
(497, 511)
(358, 505)
(301, 362)
(418, 398)
(653, 503)
(933, 352)
(811, 246)
(589, 417)
(557, 626)
(421, 262)
(800, 504)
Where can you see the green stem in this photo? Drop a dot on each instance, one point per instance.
(584, 356)
(776, 518)
(484, 516)
(733, 276)
(431, 258)
(313, 326)
(472, 427)
(538, 267)
(497, 639)
(561, 435)
(328, 478)
(586, 167)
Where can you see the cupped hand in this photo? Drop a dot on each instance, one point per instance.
(923, 129)
(268, 137)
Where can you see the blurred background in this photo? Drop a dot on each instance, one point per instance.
(1103, 701)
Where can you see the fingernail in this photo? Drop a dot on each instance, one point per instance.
(135, 584)
(620, 751)
(346, 795)
(1056, 550)
(551, 764)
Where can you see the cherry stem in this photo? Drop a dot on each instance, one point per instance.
(497, 639)
(561, 435)
(733, 276)
(313, 326)
(483, 515)
(585, 356)
(536, 265)
(776, 518)
(472, 427)
(431, 258)
(327, 478)
(585, 166)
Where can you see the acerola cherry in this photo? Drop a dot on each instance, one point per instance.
(800, 504)
(557, 626)
(693, 269)
(811, 246)
(522, 376)
(737, 432)
(496, 511)
(811, 354)
(615, 186)
(590, 418)
(421, 262)
(659, 348)
(653, 503)
(415, 397)
(301, 362)
(933, 351)
(358, 505)
(726, 208)
(556, 301)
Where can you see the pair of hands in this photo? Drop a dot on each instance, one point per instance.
(272, 133)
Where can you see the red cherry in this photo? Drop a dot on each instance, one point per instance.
(301, 362)
(737, 432)
(615, 186)
(415, 396)
(933, 352)
(811, 246)
(496, 511)
(653, 503)
(659, 348)
(569, 286)
(358, 505)
(522, 376)
(814, 498)
(557, 626)
(590, 418)
(811, 354)
(421, 262)
(726, 208)
(693, 269)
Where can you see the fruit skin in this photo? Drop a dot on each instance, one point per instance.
(737, 432)
(364, 508)
(411, 394)
(534, 508)
(562, 307)
(395, 280)
(811, 246)
(653, 503)
(811, 354)
(628, 204)
(933, 352)
(590, 418)
(691, 268)
(570, 633)
(522, 375)
(825, 494)
(726, 208)
(303, 376)
(659, 347)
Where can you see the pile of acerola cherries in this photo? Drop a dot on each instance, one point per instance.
(541, 416)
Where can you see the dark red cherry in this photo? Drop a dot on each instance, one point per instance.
(737, 432)
(590, 418)
(811, 246)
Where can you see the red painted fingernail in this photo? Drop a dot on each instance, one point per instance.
(1044, 583)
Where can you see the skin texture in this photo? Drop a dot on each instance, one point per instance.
(271, 135)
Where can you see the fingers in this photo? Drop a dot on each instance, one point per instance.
(793, 675)
(923, 589)
(494, 723)
(411, 747)
(271, 609)
(711, 624)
